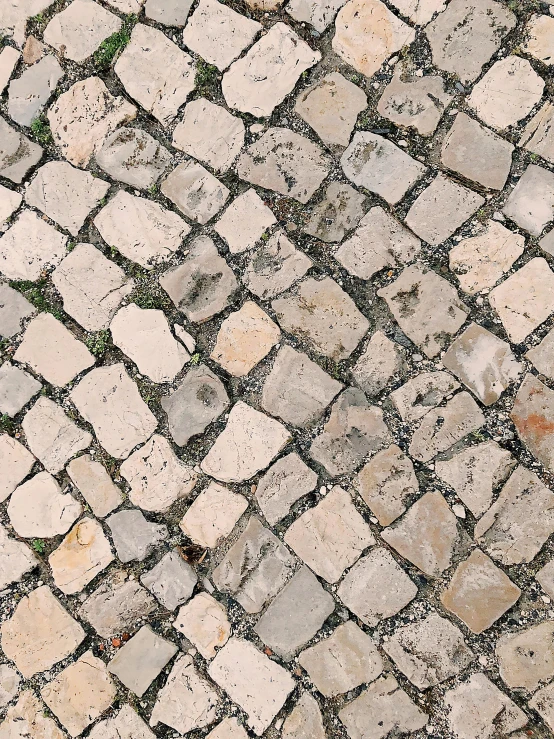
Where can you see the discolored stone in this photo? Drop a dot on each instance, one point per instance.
(134, 537)
(16, 560)
(79, 29)
(532, 414)
(9, 57)
(531, 202)
(9, 685)
(141, 660)
(539, 43)
(339, 212)
(28, 718)
(204, 622)
(526, 658)
(29, 93)
(172, 580)
(132, 156)
(304, 721)
(542, 355)
(213, 515)
(317, 14)
(381, 361)
(538, 136)
(15, 464)
(285, 482)
(9, 200)
(274, 266)
(18, 154)
(196, 192)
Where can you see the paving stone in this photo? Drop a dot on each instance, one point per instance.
(286, 162)
(379, 241)
(29, 246)
(94, 484)
(196, 192)
(9, 682)
(330, 537)
(156, 73)
(126, 724)
(331, 107)
(297, 390)
(545, 576)
(202, 285)
(15, 464)
(354, 431)
(82, 117)
(172, 580)
(429, 651)
(342, 661)
(80, 693)
(416, 102)
(386, 484)
(507, 93)
(480, 261)
(132, 156)
(9, 201)
(339, 212)
(274, 266)
(542, 355)
(213, 515)
(172, 13)
(312, 308)
(247, 445)
(441, 209)
(483, 362)
(305, 720)
(33, 50)
(38, 508)
(16, 389)
(539, 43)
(244, 221)
(127, 6)
(200, 399)
(426, 307)
(205, 624)
(525, 299)
(83, 553)
(52, 436)
(479, 592)
(368, 33)
(475, 473)
(110, 401)
(255, 568)
(16, 560)
(219, 34)
(543, 703)
(91, 286)
(419, 12)
(381, 711)
(9, 57)
(141, 660)
(210, 134)
(244, 339)
(18, 154)
(268, 72)
(187, 701)
(52, 351)
(526, 657)
(40, 633)
(229, 728)
(467, 34)
(381, 361)
(295, 615)
(286, 481)
(477, 709)
(28, 718)
(531, 202)
(477, 153)
(375, 163)
(318, 14)
(117, 605)
(538, 136)
(253, 681)
(80, 28)
(29, 93)
(134, 537)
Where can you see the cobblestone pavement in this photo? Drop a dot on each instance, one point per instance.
(277, 369)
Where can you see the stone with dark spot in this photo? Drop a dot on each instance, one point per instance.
(339, 212)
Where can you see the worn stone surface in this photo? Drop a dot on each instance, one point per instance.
(16, 389)
(80, 29)
(531, 202)
(142, 659)
(539, 42)
(38, 508)
(274, 266)
(203, 620)
(30, 246)
(9, 58)
(339, 212)
(526, 657)
(538, 136)
(15, 464)
(381, 361)
(9, 203)
(94, 484)
(134, 537)
(132, 156)
(16, 560)
(9, 684)
(18, 154)
(542, 355)
(172, 13)
(195, 191)
(304, 720)
(172, 580)
(285, 482)
(244, 221)
(126, 724)
(27, 717)
(28, 94)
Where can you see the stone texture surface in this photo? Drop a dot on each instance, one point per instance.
(531, 202)
(16, 389)
(18, 154)
(203, 620)
(195, 191)
(39, 508)
(244, 221)
(381, 362)
(80, 29)
(172, 580)
(15, 464)
(134, 537)
(43, 247)
(16, 560)
(142, 659)
(339, 212)
(285, 482)
(274, 266)
(526, 657)
(28, 94)
(213, 515)
(132, 156)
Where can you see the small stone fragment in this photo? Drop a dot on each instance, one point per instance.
(196, 192)
(538, 136)
(80, 28)
(526, 658)
(18, 154)
(9, 57)
(539, 38)
(286, 481)
(14, 308)
(134, 537)
(29, 246)
(531, 202)
(29, 93)
(339, 212)
(132, 156)
(126, 724)
(16, 389)
(16, 560)
(380, 362)
(33, 50)
(172, 580)
(39, 509)
(204, 622)
(213, 515)
(94, 484)
(244, 221)
(304, 721)
(141, 660)
(28, 718)
(15, 464)
(317, 14)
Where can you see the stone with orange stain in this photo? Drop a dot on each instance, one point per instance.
(204, 622)
(533, 416)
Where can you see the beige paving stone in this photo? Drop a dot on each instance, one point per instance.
(29, 93)
(28, 718)
(132, 156)
(545, 576)
(9, 57)
(475, 473)
(542, 355)
(331, 107)
(543, 703)
(15, 464)
(540, 39)
(141, 660)
(67, 195)
(16, 389)
(387, 483)
(187, 701)
(531, 202)
(195, 191)
(80, 29)
(244, 339)
(261, 79)
(29, 246)
(213, 515)
(38, 508)
(538, 136)
(244, 221)
(426, 307)
(82, 117)
(305, 720)
(479, 592)
(425, 391)
(367, 34)
(40, 633)
(379, 241)
(110, 401)
(9, 685)
(256, 683)
(18, 154)
(247, 445)
(172, 13)
(339, 212)
(14, 308)
(480, 261)
(274, 266)
(381, 361)
(330, 537)
(229, 728)
(203, 620)
(342, 661)
(91, 286)
(126, 724)
(441, 209)
(429, 651)
(80, 693)
(219, 34)
(127, 6)
(16, 560)
(9, 200)
(477, 709)
(525, 299)
(285, 482)
(286, 162)
(52, 351)
(83, 553)
(94, 484)
(526, 658)
(382, 710)
(467, 34)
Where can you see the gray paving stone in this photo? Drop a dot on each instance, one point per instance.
(339, 212)
(141, 660)
(195, 191)
(382, 361)
(14, 308)
(172, 580)
(29, 93)
(274, 266)
(286, 481)
(132, 156)
(133, 536)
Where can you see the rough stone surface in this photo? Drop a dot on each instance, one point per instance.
(172, 580)
(531, 202)
(286, 481)
(18, 154)
(274, 266)
(204, 622)
(94, 484)
(132, 156)
(134, 537)
(526, 657)
(39, 509)
(80, 29)
(196, 192)
(15, 464)
(213, 515)
(339, 212)
(244, 221)
(30, 246)
(16, 389)
(142, 659)
(542, 355)
(28, 94)
(539, 42)
(381, 361)
(9, 684)
(538, 136)
(16, 560)
(9, 203)
(172, 13)
(126, 724)
(27, 717)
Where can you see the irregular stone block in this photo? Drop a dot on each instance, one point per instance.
(141, 660)
(381, 361)
(132, 156)
(205, 624)
(29, 93)
(531, 202)
(274, 266)
(29, 247)
(15, 464)
(213, 515)
(286, 481)
(18, 154)
(339, 212)
(172, 580)
(39, 509)
(134, 537)
(526, 658)
(244, 221)
(80, 28)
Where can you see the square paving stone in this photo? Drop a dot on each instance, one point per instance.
(274, 265)
(195, 191)
(421, 394)
(141, 660)
(244, 221)
(172, 580)
(203, 620)
(94, 484)
(531, 202)
(526, 657)
(212, 515)
(285, 482)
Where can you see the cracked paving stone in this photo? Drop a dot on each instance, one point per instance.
(94, 484)
(195, 191)
(80, 28)
(244, 221)
(381, 361)
(532, 414)
(538, 136)
(172, 580)
(16, 561)
(339, 212)
(15, 464)
(539, 43)
(28, 718)
(28, 94)
(526, 657)
(285, 482)
(531, 202)
(18, 154)
(305, 720)
(126, 724)
(134, 537)
(16, 389)
(425, 391)
(132, 156)
(139, 662)
(203, 620)
(29, 246)
(274, 266)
